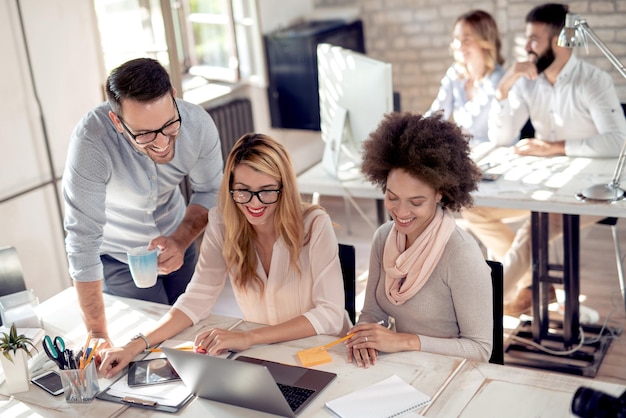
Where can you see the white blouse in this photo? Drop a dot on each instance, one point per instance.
(317, 293)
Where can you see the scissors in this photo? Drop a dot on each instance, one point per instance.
(55, 349)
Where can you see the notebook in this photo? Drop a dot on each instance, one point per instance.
(249, 382)
(391, 397)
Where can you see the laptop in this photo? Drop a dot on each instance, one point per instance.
(262, 385)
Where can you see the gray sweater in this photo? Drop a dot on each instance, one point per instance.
(453, 313)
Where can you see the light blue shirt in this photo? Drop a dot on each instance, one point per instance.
(471, 115)
(117, 198)
(581, 108)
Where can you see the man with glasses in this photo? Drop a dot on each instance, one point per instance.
(574, 110)
(126, 160)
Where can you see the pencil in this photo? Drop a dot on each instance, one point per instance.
(183, 347)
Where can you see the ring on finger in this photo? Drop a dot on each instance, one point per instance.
(366, 339)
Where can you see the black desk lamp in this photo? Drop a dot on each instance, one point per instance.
(574, 34)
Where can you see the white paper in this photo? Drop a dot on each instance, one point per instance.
(388, 398)
(168, 394)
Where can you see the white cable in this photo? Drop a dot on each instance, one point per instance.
(549, 351)
(582, 342)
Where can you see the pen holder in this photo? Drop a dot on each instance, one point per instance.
(80, 385)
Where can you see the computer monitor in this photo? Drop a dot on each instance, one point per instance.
(355, 91)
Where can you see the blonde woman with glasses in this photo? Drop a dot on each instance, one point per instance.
(280, 254)
(469, 86)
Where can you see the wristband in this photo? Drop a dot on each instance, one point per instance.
(145, 340)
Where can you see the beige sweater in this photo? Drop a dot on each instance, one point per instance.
(453, 313)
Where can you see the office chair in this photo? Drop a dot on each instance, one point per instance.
(11, 276)
(497, 278)
(347, 259)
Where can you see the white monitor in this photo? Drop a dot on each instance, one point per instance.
(355, 91)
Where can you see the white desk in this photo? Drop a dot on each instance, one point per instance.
(454, 384)
(550, 185)
(543, 184)
(126, 317)
(318, 180)
(482, 390)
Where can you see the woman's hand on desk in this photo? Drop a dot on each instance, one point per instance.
(218, 341)
(369, 339)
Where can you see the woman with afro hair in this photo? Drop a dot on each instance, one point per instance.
(425, 272)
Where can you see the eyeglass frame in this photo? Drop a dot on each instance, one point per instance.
(156, 132)
(257, 194)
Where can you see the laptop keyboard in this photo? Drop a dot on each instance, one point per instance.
(295, 395)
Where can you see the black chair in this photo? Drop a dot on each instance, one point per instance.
(11, 276)
(347, 259)
(497, 278)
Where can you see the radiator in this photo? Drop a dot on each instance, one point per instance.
(233, 119)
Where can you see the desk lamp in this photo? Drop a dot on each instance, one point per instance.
(573, 34)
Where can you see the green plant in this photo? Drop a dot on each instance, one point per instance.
(13, 342)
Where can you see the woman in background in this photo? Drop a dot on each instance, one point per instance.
(280, 254)
(424, 272)
(469, 86)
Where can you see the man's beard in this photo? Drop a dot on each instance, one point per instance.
(545, 60)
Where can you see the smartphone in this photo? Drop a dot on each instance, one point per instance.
(49, 381)
(490, 176)
(151, 372)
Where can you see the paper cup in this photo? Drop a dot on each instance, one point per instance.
(143, 264)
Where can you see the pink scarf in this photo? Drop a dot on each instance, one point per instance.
(407, 270)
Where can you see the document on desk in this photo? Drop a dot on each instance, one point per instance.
(388, 398)
(164, 394)
(169, 397)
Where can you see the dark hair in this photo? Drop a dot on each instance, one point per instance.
(552, 14)
(141, 79)
(429, 148)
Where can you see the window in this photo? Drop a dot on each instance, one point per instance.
(207, 40)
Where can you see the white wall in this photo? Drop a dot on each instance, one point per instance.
(276, 14)
(62, 44)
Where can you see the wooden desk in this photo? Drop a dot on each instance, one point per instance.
(489, 390)
(454, 384)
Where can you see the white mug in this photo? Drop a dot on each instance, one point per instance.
(144, 266)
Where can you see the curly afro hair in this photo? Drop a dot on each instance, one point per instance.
(429, 148)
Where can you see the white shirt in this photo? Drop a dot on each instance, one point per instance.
(581, 108)
(471, 115)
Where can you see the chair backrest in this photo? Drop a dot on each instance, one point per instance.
(347, 259)
(497, 278)
(11, 276)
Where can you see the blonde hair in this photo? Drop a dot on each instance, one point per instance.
(488, 38)
(265, 155)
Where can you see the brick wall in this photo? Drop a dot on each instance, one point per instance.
(413, 35)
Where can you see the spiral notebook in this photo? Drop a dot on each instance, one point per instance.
(391, 397)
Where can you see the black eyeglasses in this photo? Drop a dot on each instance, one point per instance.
(266, 197)
(144, 138)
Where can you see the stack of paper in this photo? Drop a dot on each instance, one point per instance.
(389, 398)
